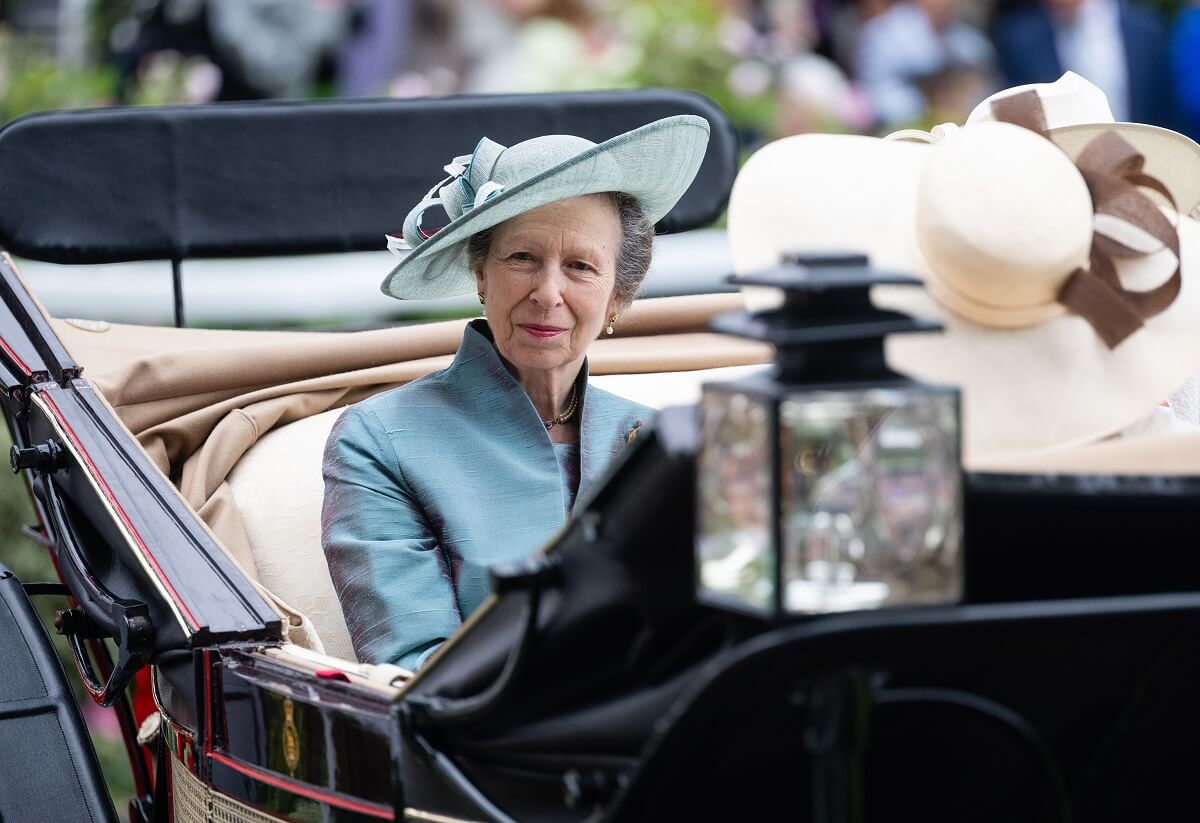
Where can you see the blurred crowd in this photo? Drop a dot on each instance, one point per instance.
(778, 66)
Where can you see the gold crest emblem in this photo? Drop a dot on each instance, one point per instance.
(291, 737)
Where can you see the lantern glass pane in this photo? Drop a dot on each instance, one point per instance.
(871, 499)
(736, 560)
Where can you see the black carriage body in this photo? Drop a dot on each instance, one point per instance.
(593, 686)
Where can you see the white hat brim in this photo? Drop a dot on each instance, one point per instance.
(655, 164)
(1171, 157)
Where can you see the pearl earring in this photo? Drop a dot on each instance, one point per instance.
(611, 320)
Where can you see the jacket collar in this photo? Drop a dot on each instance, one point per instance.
(478, 364)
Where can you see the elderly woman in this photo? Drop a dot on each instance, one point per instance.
(428, 485)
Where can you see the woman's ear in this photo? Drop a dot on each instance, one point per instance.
(480, 281)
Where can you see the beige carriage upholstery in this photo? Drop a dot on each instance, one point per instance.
(198, 401)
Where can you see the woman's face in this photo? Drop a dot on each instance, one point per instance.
(548, 281)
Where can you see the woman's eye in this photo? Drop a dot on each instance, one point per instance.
(521, 256)
(579, 265)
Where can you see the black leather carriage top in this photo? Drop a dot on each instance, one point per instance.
(248, 179)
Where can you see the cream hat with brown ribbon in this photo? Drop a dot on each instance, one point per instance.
(1076, 111)
(1058, 334)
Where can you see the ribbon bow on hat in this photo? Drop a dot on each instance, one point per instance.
(1113, 172)
(467, 186)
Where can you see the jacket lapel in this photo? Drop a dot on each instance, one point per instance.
(604, 418)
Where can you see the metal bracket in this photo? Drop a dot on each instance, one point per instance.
(177, 291)
(46, 457)
(134, 641)
(127, 622)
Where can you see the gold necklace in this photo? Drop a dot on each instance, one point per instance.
(568, 413)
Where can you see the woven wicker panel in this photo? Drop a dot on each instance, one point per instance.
(197, 803)
(227, 810)
(190, 796)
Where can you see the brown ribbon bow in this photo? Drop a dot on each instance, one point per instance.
(1113, 171)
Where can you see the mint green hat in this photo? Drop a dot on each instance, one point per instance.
(655, 163)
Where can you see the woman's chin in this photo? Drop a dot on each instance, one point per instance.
(540, 357)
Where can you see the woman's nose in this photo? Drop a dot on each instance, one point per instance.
(547, 290)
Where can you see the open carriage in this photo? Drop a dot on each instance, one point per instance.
(175, 474)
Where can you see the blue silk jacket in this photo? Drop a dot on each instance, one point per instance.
(428, 485)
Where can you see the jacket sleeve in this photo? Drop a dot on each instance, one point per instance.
(387, 567)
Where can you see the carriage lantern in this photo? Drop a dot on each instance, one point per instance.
(828, 483)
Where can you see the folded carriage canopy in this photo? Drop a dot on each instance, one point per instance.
(252, 179)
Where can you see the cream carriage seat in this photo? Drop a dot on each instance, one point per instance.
(278, 489)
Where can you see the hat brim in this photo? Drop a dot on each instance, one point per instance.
(1170, 156)
(1047, 385)
(655, 164)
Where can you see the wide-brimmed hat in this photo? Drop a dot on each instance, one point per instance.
(655, 164)
(1076, 111)
(1064, 289)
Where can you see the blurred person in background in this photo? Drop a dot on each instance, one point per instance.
(1117, 44)
(242, 49)
(910, 42)
(163, 33)
(840, 23)
(1185, 67)
(278, 45)
(953, 92)
(816, 96)
(375, 51)
(498, 46)
(436, 51)
(551, 45)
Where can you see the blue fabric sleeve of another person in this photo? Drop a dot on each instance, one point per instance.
(375, 531)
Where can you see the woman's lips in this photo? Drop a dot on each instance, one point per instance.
(541, 332)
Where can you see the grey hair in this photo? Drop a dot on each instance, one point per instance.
(633, 257)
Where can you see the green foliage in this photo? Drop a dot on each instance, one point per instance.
(31, 80)
(162, 80)
(26, 559)
(680, 46)
(102, 19)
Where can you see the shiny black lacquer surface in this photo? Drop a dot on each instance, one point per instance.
(324, 734)
(282, 802)
(1069, 709)
(1033, 537)
(199, 577)
(101, 493)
